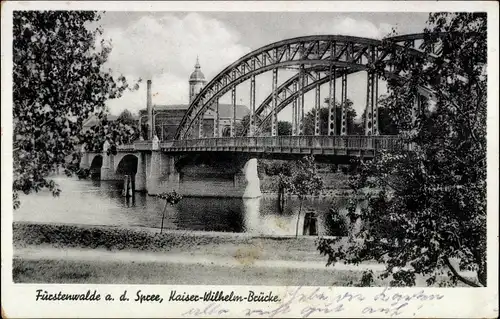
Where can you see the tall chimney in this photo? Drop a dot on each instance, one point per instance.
(149, 108)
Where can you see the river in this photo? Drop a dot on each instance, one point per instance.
(101, 203)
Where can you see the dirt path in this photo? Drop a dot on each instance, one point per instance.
(242, 260)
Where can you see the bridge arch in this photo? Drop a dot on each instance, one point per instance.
(128, 165)
(343, 53)
(95, 167)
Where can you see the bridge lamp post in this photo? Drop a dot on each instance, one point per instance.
(154, 122)
(140, 123)
(155, 113)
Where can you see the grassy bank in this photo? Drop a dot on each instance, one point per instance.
(92, 254)
(144, 239)
(51, 253)
(102, 272)
(112, 238)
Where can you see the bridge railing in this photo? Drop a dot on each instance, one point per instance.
(143, 145)
(136, 146)
(319, 142)
(310, 142)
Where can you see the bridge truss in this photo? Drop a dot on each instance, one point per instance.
(318, 60)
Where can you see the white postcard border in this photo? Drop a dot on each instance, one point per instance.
(19, 299)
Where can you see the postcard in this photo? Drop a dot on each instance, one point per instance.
(250, 159)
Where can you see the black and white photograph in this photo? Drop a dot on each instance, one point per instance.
(254, 148)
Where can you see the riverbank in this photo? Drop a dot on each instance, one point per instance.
(63, 253)
(56, 253)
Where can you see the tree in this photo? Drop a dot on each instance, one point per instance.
(429, 206)
(284, 128)
(242, 126)
(386, 125)
(171, 198)
(305, 181)
(284, 174)
(126, 117)
(323, 119)
(115, 132)
(58, 83)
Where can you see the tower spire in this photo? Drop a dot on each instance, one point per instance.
(196, 80)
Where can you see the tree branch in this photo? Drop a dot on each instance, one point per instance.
(459, 277)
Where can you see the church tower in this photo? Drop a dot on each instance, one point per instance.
(196, 81)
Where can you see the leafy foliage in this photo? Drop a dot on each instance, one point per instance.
(59, 82)
(273, 167)
(115, 132)
(386, 125)
(429, 204)
(284, 128)
(126, 117)
(242, 126)
(171, 198)
(336, 223)
(352, 127)
(304, 181)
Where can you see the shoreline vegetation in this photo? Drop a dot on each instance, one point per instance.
(54, 235)
(65, 253)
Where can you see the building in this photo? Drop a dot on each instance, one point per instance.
(166, 118)
(196, 81)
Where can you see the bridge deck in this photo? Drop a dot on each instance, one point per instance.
(327, 145)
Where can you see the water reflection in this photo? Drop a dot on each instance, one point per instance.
(102, 203)
(252, 214)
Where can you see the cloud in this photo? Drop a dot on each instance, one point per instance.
(164, 49)
(353, 27)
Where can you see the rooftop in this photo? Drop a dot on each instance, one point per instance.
(225, 110)
(197, 75)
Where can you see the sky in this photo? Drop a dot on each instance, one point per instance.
(163, 46)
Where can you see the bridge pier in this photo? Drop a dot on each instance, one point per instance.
(84, 161)
(108, 168)
(204, 176)
(140, 175)
(161, 174)
(252, 181)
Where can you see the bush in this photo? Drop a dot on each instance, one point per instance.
(83, 173)
(111, 238)
(336, 223)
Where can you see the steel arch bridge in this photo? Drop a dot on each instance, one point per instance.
(318, 59)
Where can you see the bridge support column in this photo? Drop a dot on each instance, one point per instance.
(301, 100)
(251, 128)
(84, 160)
(343, 101)
(274, 119)
(140, 175)
(217, 119)
(200, 127)
(149, 108)
(294, 112)
(370, 120)
(233, 101)
(332, 107)
(317, 106)
(107, 168)
(252, 187)
(162, 176)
